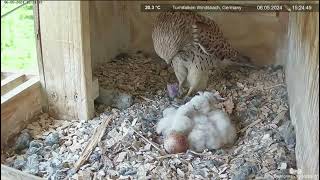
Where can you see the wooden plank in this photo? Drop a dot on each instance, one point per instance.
(66, 56)
(11, 82)
(6, 73)
(302, 76)
(95, 88)
(8, 173)
(39, 55)
(18, 107)
(86, 72)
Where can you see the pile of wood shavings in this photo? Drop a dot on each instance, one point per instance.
(134, 74)
(256, 100)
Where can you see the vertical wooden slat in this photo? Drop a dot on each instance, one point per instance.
(302, 71)
(86, 60)
(39, 55)
(65, 42)
(282, 41)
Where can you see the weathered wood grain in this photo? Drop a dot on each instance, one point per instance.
(66, 58)
(11, 82)
(39, 55)
(95, 88)
(302, 73)
(18, 107)
(6, 74)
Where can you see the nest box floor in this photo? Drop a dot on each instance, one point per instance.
(256, 100)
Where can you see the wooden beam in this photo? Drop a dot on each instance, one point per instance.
(66, 58)
(39, 55)
(11, 82)
(18, 107)
(95, 88)
(6, 74)
(302, 76)
(8, 173)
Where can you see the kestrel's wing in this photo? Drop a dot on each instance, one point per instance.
(208, 36)
(211, 40)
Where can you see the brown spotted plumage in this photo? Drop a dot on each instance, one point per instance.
(192, 44)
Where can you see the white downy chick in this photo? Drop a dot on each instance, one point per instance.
(204, 125)
(204, 102)
(197, 137)
(213, 97)
(211, 131)
(224, 126)
(182, 124)
(165, 123)
(174, 120)
(169, 111)
(186, 110)
(183, 119)
(200, 103)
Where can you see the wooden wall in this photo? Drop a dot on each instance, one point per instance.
(64, 33)
(302, 71)
(122, 27)
(109, 29)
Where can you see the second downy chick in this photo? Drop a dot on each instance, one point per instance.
(205, 126)
(175, 120)
(211, 131)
